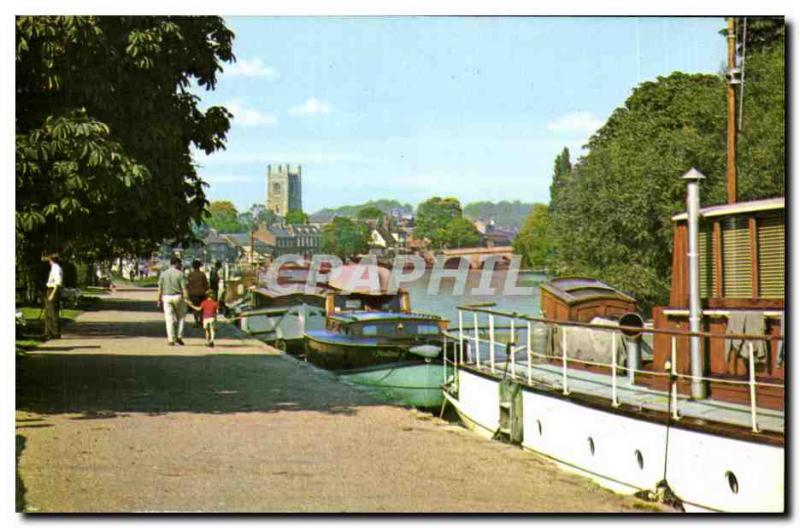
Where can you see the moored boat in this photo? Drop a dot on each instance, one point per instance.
(372, 338)
(693, 413)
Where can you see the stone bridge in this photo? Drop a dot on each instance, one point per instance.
(475, 255)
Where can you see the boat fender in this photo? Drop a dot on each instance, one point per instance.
(425, 351)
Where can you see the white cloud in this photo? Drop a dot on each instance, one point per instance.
(251, 68)
(247, 116)
(580, 122)
(311, 107)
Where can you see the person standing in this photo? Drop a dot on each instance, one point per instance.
(217, 284)
(171, 292)
(197, 284)
(52, 299)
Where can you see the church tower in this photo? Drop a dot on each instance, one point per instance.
(284, 189)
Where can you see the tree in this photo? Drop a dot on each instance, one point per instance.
(461, 232)
(261, 215)
(345, 238)
(533, 240)
(105, 123)
(296, 217)
(224, 217)
(612, 213)
(761, 156)
(504, 213)
(433, 217)
(369, 212)
(611, 216)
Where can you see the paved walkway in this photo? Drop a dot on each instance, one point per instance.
(110, 419)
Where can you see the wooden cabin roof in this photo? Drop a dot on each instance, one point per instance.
(737, 208)
(578, 289)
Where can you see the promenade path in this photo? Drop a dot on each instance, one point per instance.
(110, 419)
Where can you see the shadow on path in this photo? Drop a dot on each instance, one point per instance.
(100, 385)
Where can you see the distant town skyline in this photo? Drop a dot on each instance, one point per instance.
(406, 108)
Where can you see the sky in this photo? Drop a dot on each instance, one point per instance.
(409, 107)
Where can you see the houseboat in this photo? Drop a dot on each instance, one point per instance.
(623, 401)
(372, 338)
(687, 406)
(281, 317)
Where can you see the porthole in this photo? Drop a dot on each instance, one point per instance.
(539, 425)
(591, 445)
(639, 459)
(733, 483)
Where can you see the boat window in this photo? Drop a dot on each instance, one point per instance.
(427, 329)
(374, 329)
(352, 304)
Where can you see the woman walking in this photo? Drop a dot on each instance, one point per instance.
(197, 285)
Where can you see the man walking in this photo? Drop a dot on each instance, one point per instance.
(52, 299)
(171, 292)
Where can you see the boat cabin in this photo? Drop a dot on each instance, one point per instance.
(583, 299)
(742, 286)
(391, 325)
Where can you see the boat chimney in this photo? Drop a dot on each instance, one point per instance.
(693, 178)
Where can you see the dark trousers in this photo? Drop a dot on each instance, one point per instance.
(52, 323)
(196, 300)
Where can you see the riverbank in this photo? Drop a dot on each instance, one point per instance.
(110, 419)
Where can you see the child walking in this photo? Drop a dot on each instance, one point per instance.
(209, 308)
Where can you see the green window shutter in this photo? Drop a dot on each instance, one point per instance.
(706, 259)
(771, 256)
(737, 262)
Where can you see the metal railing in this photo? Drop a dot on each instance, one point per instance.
(468, 341)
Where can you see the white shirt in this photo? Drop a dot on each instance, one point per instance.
(56, 277)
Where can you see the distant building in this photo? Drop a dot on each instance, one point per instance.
(258, 252)
(296, 239)
(284, 189)
(219, 248)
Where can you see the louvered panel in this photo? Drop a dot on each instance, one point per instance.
(705, 260)
(737, 262)
(771, 256)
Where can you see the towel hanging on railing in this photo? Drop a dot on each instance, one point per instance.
(746, 322)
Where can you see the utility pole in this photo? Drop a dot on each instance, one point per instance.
(733, 80)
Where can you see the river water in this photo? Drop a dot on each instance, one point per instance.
(425, 297)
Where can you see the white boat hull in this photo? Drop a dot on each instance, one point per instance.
(628, 455)
(284, 324)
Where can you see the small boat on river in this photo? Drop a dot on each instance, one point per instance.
(371, 337)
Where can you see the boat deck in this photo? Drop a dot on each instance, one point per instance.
(600, 385)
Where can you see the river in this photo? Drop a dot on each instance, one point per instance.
(445, 301)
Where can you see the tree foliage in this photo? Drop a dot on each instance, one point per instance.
(461, 232)
(504, 213)
(611, 214)
(369, 212)
(105, 120)
(433, 216)
(296, 217)
(533, 240)
(351, 211)
(345, 238)
(223, 217)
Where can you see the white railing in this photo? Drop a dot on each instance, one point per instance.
(463, 355)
